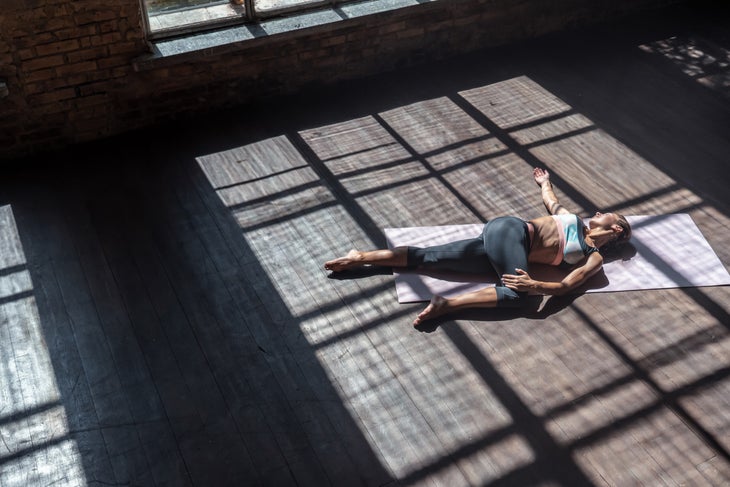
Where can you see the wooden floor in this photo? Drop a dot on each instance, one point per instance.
(165, 318)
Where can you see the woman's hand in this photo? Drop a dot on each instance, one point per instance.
(518, 282)
(541, 175)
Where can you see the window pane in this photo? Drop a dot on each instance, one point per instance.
(265, 6)
(158, 6)
(179, 14)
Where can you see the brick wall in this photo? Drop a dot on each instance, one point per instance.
(63, 62)
(71, 76)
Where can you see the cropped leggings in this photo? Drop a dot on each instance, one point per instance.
(502, 247)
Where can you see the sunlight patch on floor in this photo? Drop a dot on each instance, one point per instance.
(701, 59)
(35, 443)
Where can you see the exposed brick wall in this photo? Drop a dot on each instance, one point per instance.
(70, 71)
(63, 62)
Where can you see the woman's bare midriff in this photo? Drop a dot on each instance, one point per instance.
(545, 241)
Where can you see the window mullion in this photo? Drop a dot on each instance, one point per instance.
(250, 10)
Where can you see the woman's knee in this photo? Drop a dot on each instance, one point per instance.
(509, 298)
(414, 257)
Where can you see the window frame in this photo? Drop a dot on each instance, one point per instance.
(249, 16)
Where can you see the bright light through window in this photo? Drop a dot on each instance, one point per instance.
(171, 17)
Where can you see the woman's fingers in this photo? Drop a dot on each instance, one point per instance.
(516, 282)
(509, 280)
(541, 175)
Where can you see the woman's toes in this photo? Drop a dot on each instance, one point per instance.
(352, 259)
(435, 308)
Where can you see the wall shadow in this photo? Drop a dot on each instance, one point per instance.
(173, 353)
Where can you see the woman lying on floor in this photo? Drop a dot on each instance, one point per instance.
(505, 247)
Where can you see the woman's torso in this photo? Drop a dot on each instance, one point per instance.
(546, 240)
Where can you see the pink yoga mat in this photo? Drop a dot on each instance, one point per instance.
(667, 251)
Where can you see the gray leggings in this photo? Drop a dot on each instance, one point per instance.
(502, 247)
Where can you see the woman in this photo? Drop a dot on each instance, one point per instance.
(506, 246)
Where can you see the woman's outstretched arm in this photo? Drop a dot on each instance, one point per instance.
(542, 178)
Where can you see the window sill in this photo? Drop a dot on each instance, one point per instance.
(204, 44)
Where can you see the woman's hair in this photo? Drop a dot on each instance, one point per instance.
(624, 236)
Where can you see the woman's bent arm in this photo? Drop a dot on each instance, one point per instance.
(522, 281)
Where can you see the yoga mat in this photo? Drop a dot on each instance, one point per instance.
(666, 251)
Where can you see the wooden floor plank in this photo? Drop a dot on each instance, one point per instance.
(145, 406)
(19, 381)
(289, 287)
(291, 259)
(74, 394)
(247, 365)
(206, 334)
(185, 394)
(123, 445)
(288, 374)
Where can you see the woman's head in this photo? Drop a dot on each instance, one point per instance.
(616, 223)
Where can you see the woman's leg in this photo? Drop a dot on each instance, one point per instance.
(397, 257)
(506, 243)
(483, 298)
(467, 256)
(459, 256)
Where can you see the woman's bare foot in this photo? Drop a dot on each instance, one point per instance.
(437, 307)
(352, 259)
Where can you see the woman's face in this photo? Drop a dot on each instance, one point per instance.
(603, 220)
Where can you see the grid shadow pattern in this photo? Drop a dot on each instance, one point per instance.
(567, 397)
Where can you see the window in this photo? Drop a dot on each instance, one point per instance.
(173, 17)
